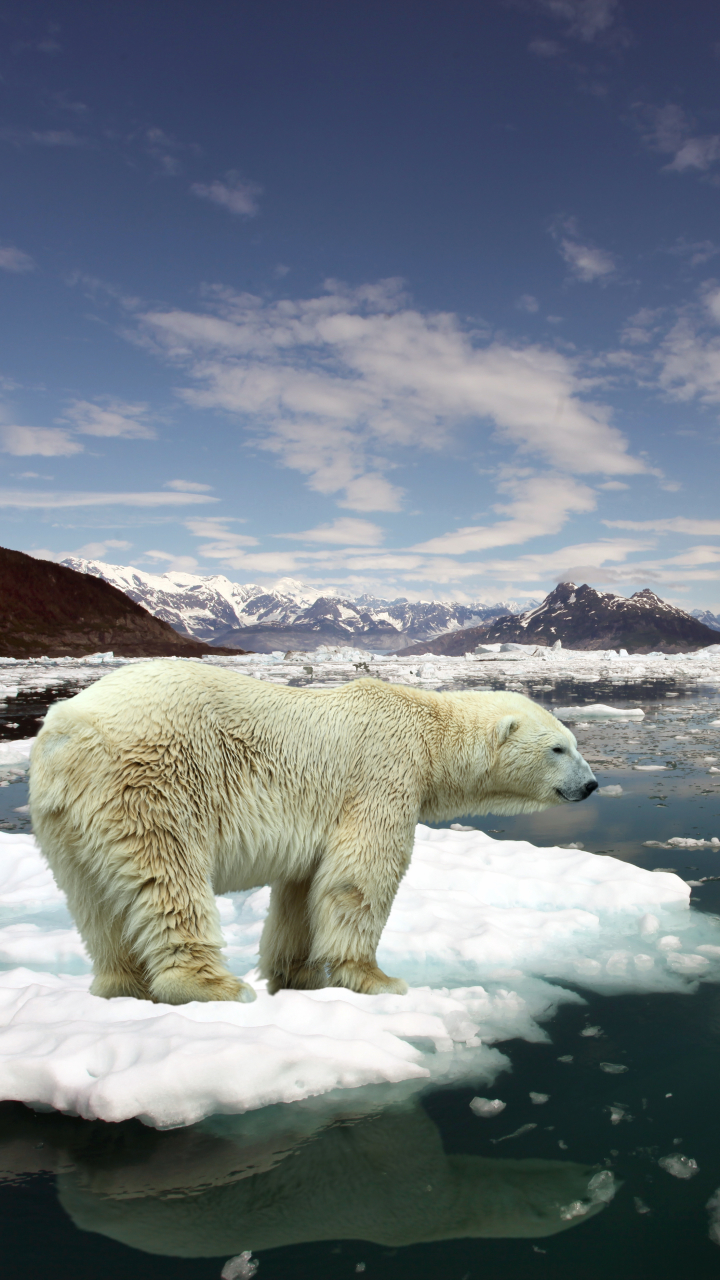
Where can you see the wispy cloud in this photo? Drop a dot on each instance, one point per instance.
(586, 19)
(46, 442)
(16, 260)
(187, 486)
(345, 531)
(34, 499)
(109, 419)
(671, 524)
(585, 260)
(234, 194)
(527, 302)
(43, 138)
(671, 130)
(342, 386)
(538, 505)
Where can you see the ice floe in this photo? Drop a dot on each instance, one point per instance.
(487, 932)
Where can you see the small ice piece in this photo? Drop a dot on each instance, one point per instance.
(708, 949)
(617, 1113)
(643, 962)
(562, 1145)
(458, 826)
(649, 925)
(576, 1209)
(688, 965)
(591, 1031)
(588, 968)
(359, 1266)
(241, 1267)
(516, 1133)
(713, 1208)
(616, 962)
(640, 1205)
(539, 1098)
(679, 1166)
(613, 1068)
(567, 1057)
(670, 943)
(610, 791)
(487, 1107)
(577, 844)
(602, 1187)
(649, 768)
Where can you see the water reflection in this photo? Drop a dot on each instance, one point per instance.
(222, 1187)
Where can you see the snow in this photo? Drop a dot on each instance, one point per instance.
(485, 931)
(598, 711)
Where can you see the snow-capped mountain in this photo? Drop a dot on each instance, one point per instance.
(290, 615)
(711, 620)
(582, 618)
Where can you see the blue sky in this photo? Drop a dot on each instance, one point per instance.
(416, 298)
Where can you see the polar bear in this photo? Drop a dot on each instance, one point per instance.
(168, 782)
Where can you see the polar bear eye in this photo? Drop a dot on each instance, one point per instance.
(559, 751)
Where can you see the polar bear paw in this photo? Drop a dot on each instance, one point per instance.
(175, 987)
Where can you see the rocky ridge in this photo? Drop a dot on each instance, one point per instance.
(49, 610)
(583, 618)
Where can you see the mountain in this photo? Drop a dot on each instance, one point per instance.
(291, 616)
(50, 610)
(711, 620)
(582, 618)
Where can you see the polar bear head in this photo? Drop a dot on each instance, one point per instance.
(525, 758)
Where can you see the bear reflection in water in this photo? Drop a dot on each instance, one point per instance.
(222, 1187)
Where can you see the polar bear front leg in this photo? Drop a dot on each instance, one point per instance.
(349, 902)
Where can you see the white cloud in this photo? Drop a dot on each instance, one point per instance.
(613, 484)
(526, 302)
(586, 262)
(586, 19)
(690, 363)
(34, 499)
(539, 505)
(234, 195)
(641, 327)
(173, 563)
(48, 442)
(99, 550)
(345, 531)
(673, 524)
(16, 260)
(343, 385)
(187, 486)
(669, 129)
(110, 419)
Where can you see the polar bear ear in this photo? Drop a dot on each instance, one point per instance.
(505, 727)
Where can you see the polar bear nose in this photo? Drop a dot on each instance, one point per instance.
(589, 788)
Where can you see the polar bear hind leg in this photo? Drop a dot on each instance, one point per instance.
(286, 938)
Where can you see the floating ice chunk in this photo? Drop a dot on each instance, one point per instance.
(602, 1187)
(670, 942)
(567, 1057)
(649, 925)
(598, 711)
(613, 1068)
(709, 950)
(242, 1267)
(486, 1108)
(617, 962)
(649, 768)
(539, 1098)
(640, 1205)
(592, 1032)
(524, 1128)
(688, 965)
(613, 790)
(679, 1166)
(617, 1114)
(713, 1208)
(16, 752)
(643, 963)
(588, 968)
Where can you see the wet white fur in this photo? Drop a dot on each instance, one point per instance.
(167, 782)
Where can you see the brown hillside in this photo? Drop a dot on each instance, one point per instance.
(50, 611)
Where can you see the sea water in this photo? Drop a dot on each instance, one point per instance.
(600, 1155)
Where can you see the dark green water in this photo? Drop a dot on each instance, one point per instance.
(393, 1191)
